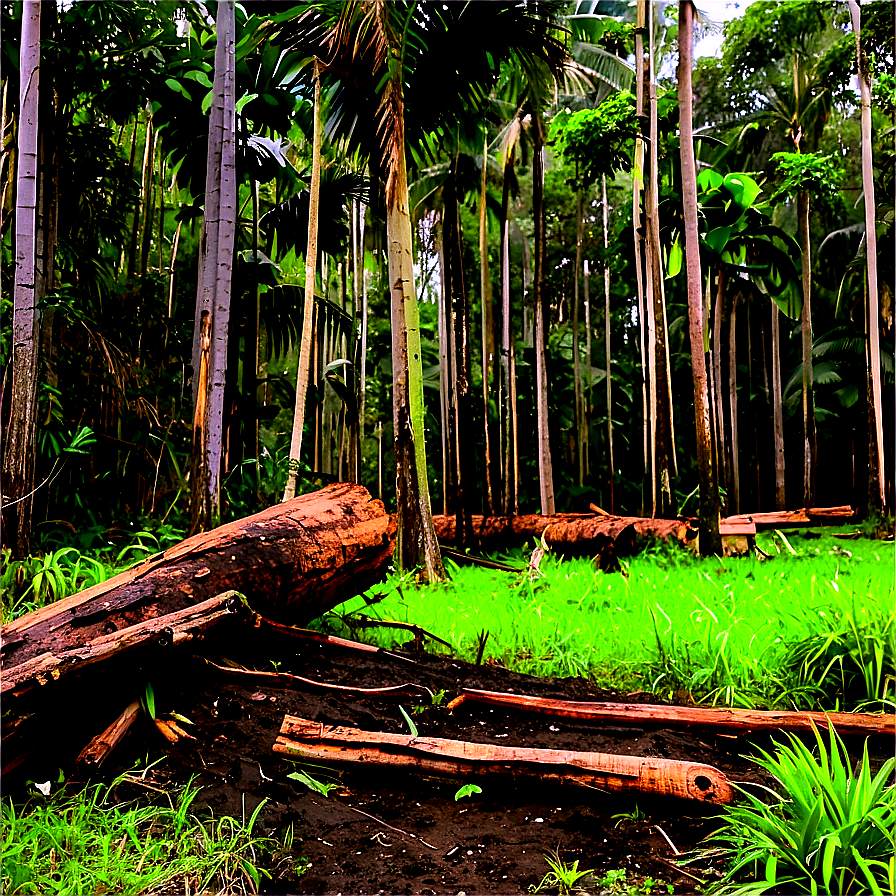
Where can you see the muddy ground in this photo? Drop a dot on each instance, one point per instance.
(395, 832)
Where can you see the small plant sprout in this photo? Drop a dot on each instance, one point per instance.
(312, 783)
(562, 877)
(635, 816)
(467, 790)
(410, 721)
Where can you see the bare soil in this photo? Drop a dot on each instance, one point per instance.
(395, 832)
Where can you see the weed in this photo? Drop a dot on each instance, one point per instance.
(312, 783)
(467, 790)
(636, 816)
(410, 721)
(829, 832)
(88, 842)
(562, 878)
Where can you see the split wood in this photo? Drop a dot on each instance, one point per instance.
(684, 716)
(308, 740)
(287, 680)
(97, 751)
(170, 630)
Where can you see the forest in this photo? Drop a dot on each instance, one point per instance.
(479, 311)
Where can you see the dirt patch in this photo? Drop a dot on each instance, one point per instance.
(397, 832)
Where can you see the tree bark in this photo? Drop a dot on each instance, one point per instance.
(873, 312)
(304, 371)
(19, 453)
(417, 544)
(607, 343)
(710, 540)
(545, 466)
(808, 402)
(293, 562)
(308, 740)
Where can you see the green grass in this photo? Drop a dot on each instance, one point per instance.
(814, 629)
(88, 842)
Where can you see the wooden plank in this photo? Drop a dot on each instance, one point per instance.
(313, 741)
(742, 720)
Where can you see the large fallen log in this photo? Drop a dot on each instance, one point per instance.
(736, 720)
(783, 519)
(292, 561)
(314, 741)
(570, 534)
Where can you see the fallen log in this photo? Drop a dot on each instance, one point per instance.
(740, 720)
(164, 631)
(783, 519)
(293, 562)
(308, 740)
(569, 534)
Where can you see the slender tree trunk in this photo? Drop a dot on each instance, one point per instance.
(607, 342)
(509, 492)
(545, 467)
(639, 234)
(445, 381)
(488, 332)
(734, 493)
(578, 388)
(778, 411)
(18, 458)
(303, 373)
(216, 256)
(417, 546)
(809, 446)
(362, 413)
(148, 191)
(876, 449)
(716, 356)
(710, 540)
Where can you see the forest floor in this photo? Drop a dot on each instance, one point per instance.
(397, 832)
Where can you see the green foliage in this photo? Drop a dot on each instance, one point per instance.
(562, 878)
(597, 141)
(312, 783)
(829, 831)
(673, 623)
(90, 842)
(816, 174)
(467, 790)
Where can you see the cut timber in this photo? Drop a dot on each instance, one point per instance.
(165, 631)
(314, 741)
(570, 534)
(782, 519)
(293, 562)
(95, 753)
(741, 720)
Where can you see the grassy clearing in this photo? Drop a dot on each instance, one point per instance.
(811, 628)
(88, 842)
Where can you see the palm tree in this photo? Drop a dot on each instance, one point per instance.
(215, 273)
(710, 540)
(18, 458)
(876, 409)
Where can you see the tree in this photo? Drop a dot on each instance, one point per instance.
(710, 540)
(215, 274)
(18, 457)
(876, 407)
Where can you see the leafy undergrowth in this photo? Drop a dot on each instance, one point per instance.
(89, 842)
(811, 627)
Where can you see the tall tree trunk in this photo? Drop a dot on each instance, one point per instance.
(509, 432)
(362, 364)
(734, 493)
(489, 365)
(304, 370)
(216, 255)
(710, 540)
(809, 445)
(639, 235)
(445, 380)
(876, 449)
(718, 401)
(778, 410)
(18, 457)
(545, 467)
(578, 388)
(417, 545)
(607, 341)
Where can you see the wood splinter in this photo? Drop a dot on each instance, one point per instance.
(97, 751)
(308, 740)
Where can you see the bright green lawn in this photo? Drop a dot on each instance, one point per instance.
(814, 629)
